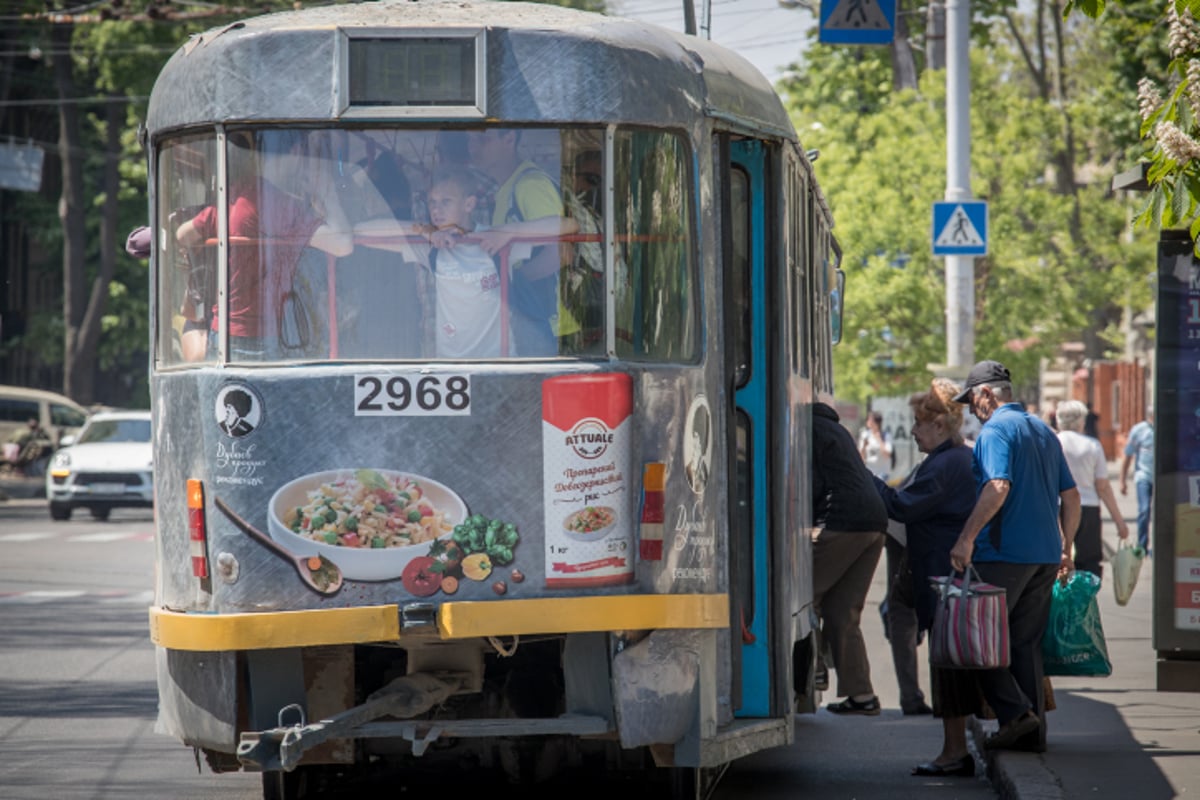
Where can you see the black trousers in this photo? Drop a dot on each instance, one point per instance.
(1029, 587)
(1089, 548)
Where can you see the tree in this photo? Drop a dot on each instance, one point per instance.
(102, 62)
(1169, 106)
(98, 63)
(1057, 269)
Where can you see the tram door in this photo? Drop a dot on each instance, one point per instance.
(745, 234)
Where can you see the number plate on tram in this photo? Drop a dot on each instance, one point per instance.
(412, 395)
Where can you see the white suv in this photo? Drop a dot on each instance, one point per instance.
(109, 465)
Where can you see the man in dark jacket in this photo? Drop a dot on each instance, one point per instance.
(849, 520)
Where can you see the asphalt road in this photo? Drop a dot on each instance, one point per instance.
(78, 698)
(77, 692)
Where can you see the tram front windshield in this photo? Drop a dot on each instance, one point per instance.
(394, 244)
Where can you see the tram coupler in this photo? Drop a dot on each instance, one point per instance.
(282, 747)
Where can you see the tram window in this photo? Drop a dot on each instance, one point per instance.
(656, 301)
(739, 223)
(797, 212)
(187, 275)
(837, 297)
(334, 251)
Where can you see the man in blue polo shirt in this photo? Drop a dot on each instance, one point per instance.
(1018, 536)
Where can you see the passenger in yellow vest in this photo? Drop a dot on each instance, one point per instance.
(525, 193)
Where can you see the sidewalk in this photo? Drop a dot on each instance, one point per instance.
(1114, 737)
(22, 488)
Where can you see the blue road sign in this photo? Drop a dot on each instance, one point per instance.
(858, 21)
(960, 228)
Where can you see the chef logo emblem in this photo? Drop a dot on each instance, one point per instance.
(238, 410)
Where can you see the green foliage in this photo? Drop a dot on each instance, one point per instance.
(1169, 129)
(1094, 8)
(1058, 266)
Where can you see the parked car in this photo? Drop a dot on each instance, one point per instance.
(59, 415)
(109, 465)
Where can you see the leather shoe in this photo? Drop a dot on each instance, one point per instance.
(868, 708)
(1011, 731)
(962, 768)
(917, 710)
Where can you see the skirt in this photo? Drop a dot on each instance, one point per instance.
(955, 693)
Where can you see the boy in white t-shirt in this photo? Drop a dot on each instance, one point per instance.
(465, 274)
(468, 283)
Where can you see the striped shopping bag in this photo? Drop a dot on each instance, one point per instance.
(970, 623)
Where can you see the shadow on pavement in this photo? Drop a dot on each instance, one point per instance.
(1093, 752)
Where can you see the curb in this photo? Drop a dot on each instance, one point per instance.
(1016, 776)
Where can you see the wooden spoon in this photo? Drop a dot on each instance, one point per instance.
(326, 579)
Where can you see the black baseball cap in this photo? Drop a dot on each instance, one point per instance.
(981, 373)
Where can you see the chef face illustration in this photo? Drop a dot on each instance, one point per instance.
(697, 444)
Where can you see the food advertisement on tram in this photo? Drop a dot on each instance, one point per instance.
(448, 486)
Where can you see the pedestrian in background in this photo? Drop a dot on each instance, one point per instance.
(1139, 450)
(1050, 415)
(875, 446)
(849, 523)
(899, 617)
(900, 625)
(1016, 541)
(934, 505)
(1089, 468)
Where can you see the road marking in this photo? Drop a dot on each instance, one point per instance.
(107, 597)
(84, 538)
(100, 537)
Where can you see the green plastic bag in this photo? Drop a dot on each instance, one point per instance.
(1074, 642)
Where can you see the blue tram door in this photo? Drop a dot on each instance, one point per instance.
(745, 197)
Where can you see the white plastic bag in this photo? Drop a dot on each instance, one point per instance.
(1126, 564)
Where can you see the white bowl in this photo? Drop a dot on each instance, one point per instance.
(360, 564)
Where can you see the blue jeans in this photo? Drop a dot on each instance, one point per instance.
(1145, 496)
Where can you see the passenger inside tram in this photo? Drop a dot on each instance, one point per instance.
(379, 294)
(280, 206)
(469, 313)
(330, 253)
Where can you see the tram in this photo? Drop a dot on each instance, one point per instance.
(485, 339)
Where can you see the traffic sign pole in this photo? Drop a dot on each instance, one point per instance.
(960, 270)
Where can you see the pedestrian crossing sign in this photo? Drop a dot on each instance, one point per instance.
(960, 228)
(858, 21)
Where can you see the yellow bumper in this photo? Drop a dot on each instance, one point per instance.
(256, 631)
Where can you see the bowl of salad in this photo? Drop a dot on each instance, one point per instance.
(370, 522)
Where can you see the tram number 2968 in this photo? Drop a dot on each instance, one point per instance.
(412, 395)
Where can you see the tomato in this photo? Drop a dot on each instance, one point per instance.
(418, 579)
